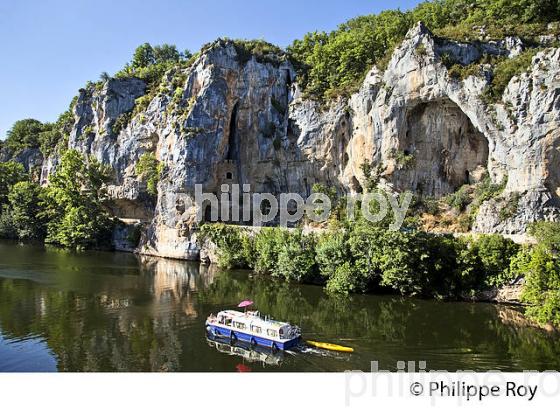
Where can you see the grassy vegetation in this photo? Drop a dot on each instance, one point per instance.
(262, 51)
(504, 70)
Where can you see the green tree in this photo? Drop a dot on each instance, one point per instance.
(296, 257)
(541, 268)
(73, 201)
(494, 253)
(25, 201)
(10, 174)
(166, 53)
(143, 56)
(25, 134)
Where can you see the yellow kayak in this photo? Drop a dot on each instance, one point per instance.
(330, 346)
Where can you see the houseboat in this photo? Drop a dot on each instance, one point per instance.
(253, 328)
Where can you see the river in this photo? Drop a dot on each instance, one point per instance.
(103, 311)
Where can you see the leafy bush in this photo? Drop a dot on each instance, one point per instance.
(235, 247)
(296, 257)
(510, 207)
(331, 252)
(121, 122)
(504, 71)
(547, 234)
(403, 159)
(10, 174)
(7, 228)
(459, 199)
(263, 51)
(541, 267)
(149, 169)
(492, 255)
(268, 243)
(461, 72)
(25, 134)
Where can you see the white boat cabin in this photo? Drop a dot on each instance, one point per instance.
(254, 324)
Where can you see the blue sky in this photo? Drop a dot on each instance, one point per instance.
(50, 48)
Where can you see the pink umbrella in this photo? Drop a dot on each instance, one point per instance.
(245, 303)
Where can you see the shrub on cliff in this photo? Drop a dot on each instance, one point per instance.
(149, 169)
(25, 134)
(505, 69)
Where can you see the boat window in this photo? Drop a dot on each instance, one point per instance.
(271, 332)
(221, 320)
(228, 321)
(256, 329)
(239, 325)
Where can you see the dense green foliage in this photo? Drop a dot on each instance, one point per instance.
(149, 169)
(31, 133)
(261, 50)
(10, 174)
(151, 62)
(334, 63)
(25, 134)
(364, 257)
(541, 267)
(25, 210)
(68, 212)
(76, 217)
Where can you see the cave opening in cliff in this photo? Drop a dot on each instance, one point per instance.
(439, 149)
(233, 138)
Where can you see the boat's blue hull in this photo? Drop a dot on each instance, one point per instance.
(245, 337)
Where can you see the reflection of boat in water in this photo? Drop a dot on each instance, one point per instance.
(253, 354)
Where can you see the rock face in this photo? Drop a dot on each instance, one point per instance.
(226, 119)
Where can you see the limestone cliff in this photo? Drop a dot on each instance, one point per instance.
(229, 119)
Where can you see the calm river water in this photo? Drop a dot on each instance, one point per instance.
(101, 311)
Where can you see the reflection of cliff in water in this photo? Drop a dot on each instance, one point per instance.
(176, 282)
(126, 323)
